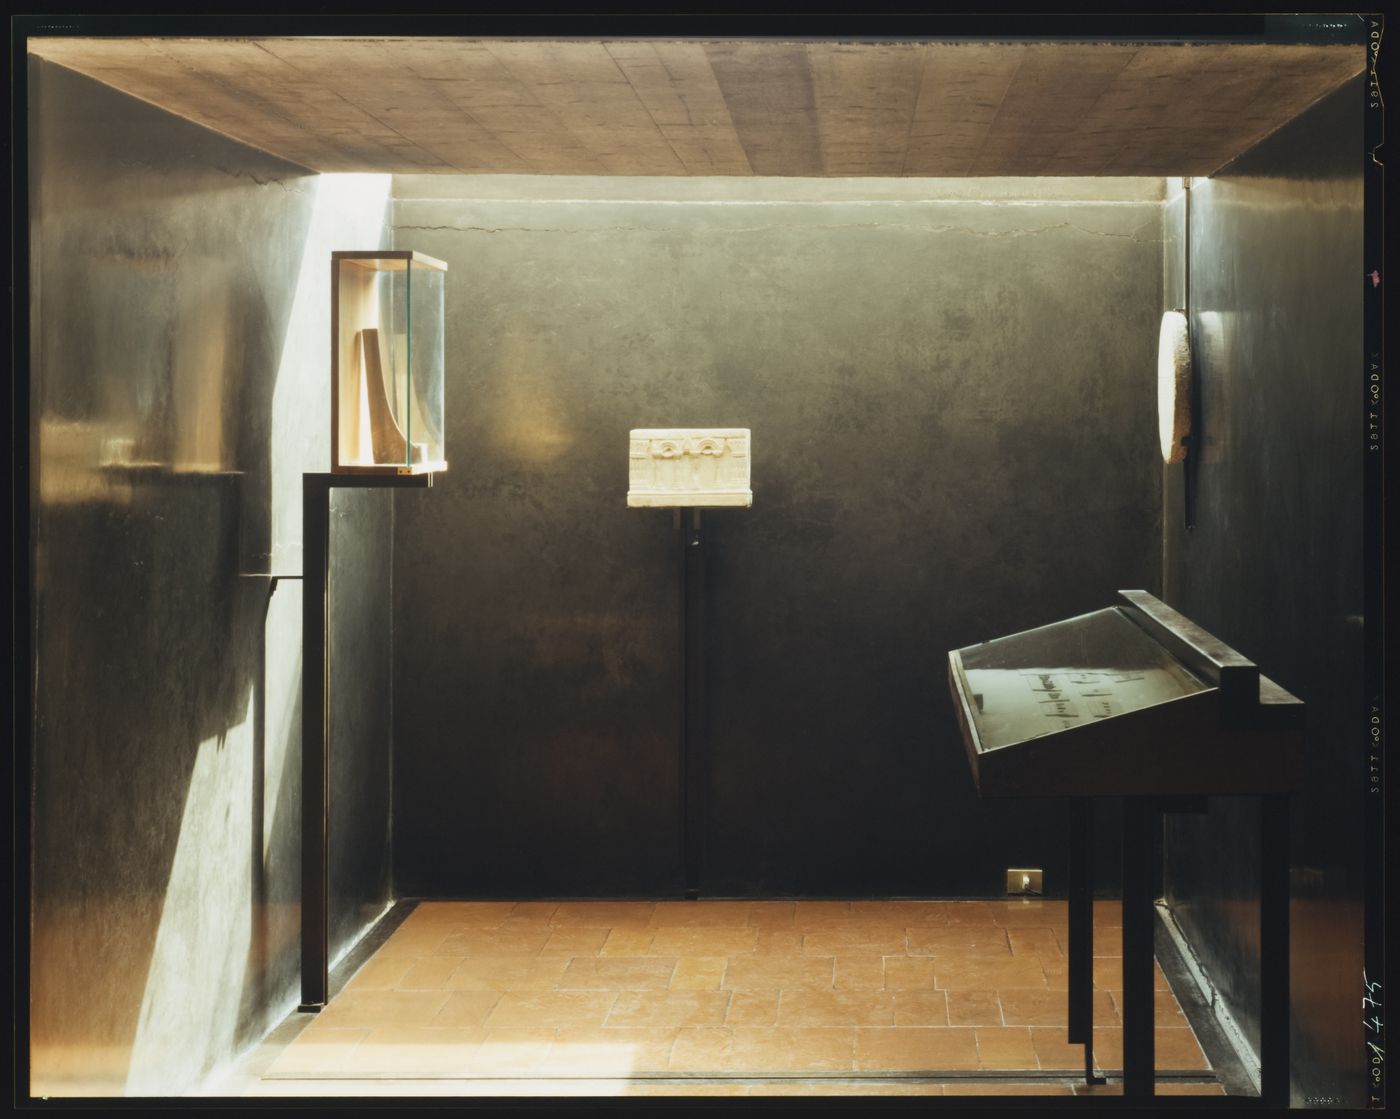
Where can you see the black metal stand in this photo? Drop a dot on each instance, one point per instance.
(315, 718)
(1081, 931)
(692, 729)
(1140, 817)
(1273, 952)
(1142, 821)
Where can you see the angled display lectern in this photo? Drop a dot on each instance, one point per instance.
(1136, 701)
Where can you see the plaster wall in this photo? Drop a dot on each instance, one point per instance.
(1274, 563)
(951, 388)
(180, 307)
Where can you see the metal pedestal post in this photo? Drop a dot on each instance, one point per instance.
(1081, 931)
(692, 730)
(1273, 952)
(1140, 819)
(315, 718)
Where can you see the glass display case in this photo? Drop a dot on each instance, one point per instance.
(1130, 700)
(387, 363)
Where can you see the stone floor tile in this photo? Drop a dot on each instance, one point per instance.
(853, 940)
(792, 1050)
(466, 1008)
(701, 913)
(551, 1009)
(974, 1008)
(624, 973)
(961, 940)
(372, 1009)
(920, 1049)
(666, 1009)
(1053, 1050)
(381, 973)
(629, 940)
(602, 914)
(418, 1051)
(494, 942)
(324, 1052)
(980, 973)
(430, 973)
(902, 913)
(778, 940)
(753, 1008)
(911, 973)
(703, 940)
(575, 941)
(1006, 1047)
(508, 973)
(807, 913)
(860, 972)
(610, 1051)
(699, 973)
(806, 1008)
(758, 972)
(920, 1008)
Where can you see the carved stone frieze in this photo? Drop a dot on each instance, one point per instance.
(689, 466)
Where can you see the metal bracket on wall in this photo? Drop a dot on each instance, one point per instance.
(315, 719)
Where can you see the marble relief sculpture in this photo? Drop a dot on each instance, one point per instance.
(689, 466)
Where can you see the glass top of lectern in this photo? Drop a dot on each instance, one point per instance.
(1066, 675)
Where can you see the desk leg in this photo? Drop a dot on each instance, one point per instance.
(1139, 817)
(315, 741)
(1273, 952)
(1081, 930)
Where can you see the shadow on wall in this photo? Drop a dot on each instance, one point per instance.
(180, 314)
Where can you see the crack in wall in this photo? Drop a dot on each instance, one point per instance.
(771, 226)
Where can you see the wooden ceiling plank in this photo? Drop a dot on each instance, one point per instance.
(865, 100)
(390, 101)
(726, 106)
(1055, 87)
(149, 70)
(1290, 78)
(767, 88)
(961, 87)
(286, 109)
(211, 105)
(1143, 118)
(87, 54)
(584, 89)
(675, 84)
(530, 132)
(1188, 109)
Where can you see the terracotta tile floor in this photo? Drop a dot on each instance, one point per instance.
(618, 992)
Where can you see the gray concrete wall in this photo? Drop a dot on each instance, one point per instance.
(951, 386)
(1274, 562)
(179, 319)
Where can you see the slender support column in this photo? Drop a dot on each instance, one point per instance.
(315, 738)
(692, 760)
(315, 718)
(1139, 817)
(1081, 930)
(1273, 951)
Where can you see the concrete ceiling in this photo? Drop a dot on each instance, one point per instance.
(724, 107)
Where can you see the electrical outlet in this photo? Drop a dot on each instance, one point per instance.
(1024, 880)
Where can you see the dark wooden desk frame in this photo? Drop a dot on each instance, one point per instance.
(315, 718)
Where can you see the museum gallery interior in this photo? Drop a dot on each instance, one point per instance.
(698, 564)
